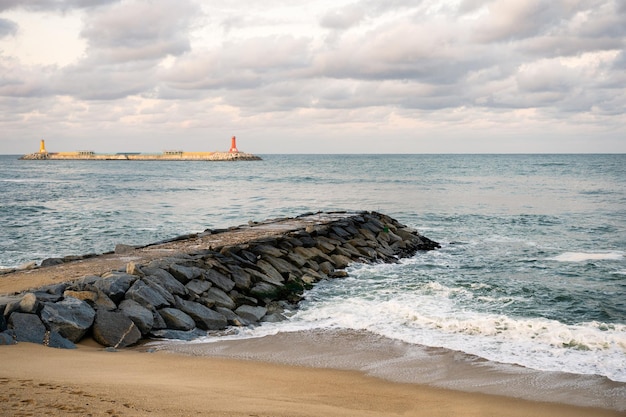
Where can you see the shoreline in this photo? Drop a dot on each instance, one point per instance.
(399, 362)
(90, 380)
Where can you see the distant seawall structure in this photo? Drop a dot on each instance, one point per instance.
(232, 155)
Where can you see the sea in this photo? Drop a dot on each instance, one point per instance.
(530, 276)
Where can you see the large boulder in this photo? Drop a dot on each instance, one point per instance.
(265, 290)
(219, 280)
(198, 286)
(176, 319)
(272, 275)
(140, 315)
(55, 340)
(178, 334)
(282, 266)
(146, 295)
(204, 317)
(184, 274)
(250, 313)
(240, 276)
(7, 338)
(115, 285)
(115, 329)
(216, 297)
(71, 318)
(27, 327)
(165, 279)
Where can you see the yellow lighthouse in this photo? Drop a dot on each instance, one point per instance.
(42, 147)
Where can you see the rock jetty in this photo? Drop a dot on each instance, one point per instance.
(184, 293)
(232, 155)
(125, 156)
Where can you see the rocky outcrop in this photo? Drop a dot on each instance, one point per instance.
(188, 294)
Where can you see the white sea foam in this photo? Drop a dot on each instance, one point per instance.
(586, 256)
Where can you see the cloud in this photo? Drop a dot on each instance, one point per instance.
(344, 17)
(245, 64)
(139, 31)
(52, 5)
(363, 65)
(7, 27)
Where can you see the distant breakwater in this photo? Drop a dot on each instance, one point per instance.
(166, 156)
(184, 295)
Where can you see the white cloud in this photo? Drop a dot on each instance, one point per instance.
(279, 70)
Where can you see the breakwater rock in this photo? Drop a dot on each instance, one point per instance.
(186, 294)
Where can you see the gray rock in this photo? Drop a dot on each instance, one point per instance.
(176, 319)
(27, 327)
(241, 278)
(312, 253)
(282, 266)
(82, 283)
(240, 298)
(159, 323)
(268, 250)
(232, 318)
(204, 317)
(265, 290)
(219, 280)
(51, 262)
(115, 329)
(296, 258)
(46, 297)
(159, 288)
(197, 286)
(368, 252)
(271, 274)
(184, 274)
(250, 313)
(339, 231)
(146, 295)
(55, 340)
(367, 234)
(255, 275)
(325, 246)
(178, 334)
(7, 337)
(71, 318)
(12, 305)
(140, 315)
(115, 285)
(53, 289)
(274, 318)
(166, 280)
(217, 297)
(352, 251)
(103, 301)
(121, 248)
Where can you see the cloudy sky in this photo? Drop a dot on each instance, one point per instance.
(315, 76)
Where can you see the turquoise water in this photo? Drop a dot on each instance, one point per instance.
(532, 268)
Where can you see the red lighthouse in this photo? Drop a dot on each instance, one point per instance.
(233, 145)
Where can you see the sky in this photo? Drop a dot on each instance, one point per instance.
(315, 76)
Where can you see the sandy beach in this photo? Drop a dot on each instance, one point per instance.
(90, 381)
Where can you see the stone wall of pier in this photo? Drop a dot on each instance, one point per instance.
(184, 296)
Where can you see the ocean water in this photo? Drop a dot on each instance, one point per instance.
(531, 272)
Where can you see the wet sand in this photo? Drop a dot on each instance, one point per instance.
(89, 381)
